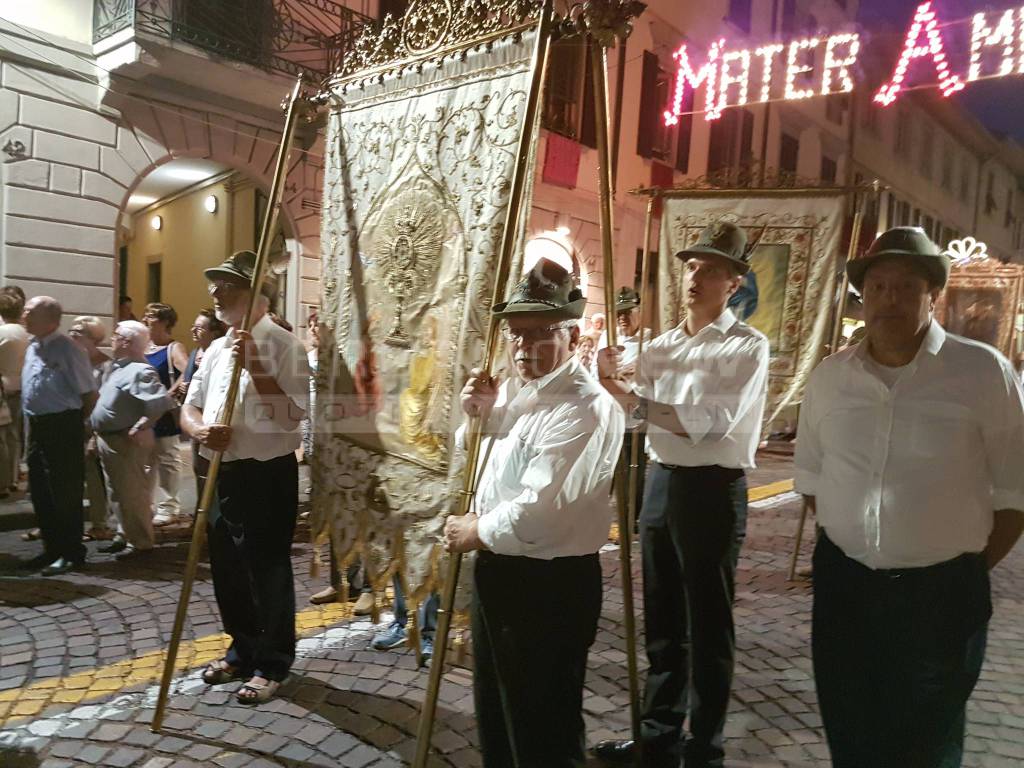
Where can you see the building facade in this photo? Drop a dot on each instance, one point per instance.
(95, 95)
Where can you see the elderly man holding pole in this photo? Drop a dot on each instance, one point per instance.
(131, 399)
(910, 451)
(701, 388)
(551, 440)
(57, 393)
(250, 538)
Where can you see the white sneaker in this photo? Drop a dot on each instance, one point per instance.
(160, 520)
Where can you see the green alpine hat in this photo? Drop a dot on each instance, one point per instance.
(238, 267)
(548, 290)
(722, 238)
(626, 299)
(905, 242)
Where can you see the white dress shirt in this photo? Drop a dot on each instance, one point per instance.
(909, 476)
(716, 380)
(256, 435)
(548, 455)
(631, 345)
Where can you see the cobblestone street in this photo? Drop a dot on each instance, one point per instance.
(80, 658)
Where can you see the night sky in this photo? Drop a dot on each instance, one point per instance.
(998, 104)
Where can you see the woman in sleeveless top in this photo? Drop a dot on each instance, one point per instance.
(170, 359)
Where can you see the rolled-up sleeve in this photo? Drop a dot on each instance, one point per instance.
(738, 386)
(565, 464)
(807, 457)
(1003, 436)
(147, 388)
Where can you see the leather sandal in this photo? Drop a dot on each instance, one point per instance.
(220, 672)
(257, 693)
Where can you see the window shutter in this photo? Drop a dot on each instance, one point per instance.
(685, 134)
(588, 128)
(648, 106)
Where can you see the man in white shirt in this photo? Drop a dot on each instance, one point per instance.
(910, 449)
(701, 387)
(628, 319)
(551, 439)
(251, 532)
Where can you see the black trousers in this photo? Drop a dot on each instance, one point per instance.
(56, 474)
(533, 623)
(896, 656)
(250, 559)
(691, 529)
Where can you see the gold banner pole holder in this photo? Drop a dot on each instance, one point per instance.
(474, 432)
(297, 106)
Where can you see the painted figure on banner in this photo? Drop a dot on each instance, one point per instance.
(420, 404)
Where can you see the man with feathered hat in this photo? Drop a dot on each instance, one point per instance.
(551, 440)
(701, 388)
(910, 449)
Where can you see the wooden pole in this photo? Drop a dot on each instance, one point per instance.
(599, 63)
(210, 486)
(474, 430)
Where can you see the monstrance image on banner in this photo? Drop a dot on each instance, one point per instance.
(417, 183)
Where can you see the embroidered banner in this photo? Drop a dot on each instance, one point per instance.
(417, 180)
(788, 293)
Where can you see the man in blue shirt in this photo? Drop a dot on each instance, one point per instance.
(57, 393)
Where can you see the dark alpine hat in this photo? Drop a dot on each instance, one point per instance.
(722, 238)
(626, 299)
(906, 242)
(548, 290)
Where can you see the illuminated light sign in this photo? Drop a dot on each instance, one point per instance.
(965, 251)
(820, 65)
(924, 22)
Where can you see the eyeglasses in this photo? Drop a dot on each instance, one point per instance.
(531, 334)
(224, 286)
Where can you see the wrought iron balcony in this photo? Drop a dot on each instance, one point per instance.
(290, 36)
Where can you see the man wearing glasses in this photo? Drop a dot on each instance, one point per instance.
(551, 439)
(251, 535)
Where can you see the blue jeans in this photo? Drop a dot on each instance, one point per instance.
(428, 610)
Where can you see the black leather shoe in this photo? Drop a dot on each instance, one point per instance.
(618, 751)
(37, 562)
(117, 544)
(59, 566)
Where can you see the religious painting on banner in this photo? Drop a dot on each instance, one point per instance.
(788, 293)
(417, 176)
(983, 298)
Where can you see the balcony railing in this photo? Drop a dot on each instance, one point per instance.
(291, 36)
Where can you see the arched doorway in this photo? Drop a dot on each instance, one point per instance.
(190, 214)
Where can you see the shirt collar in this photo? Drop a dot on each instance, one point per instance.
(722, 324)
(931, 344)
(42, 341)
(545, 381)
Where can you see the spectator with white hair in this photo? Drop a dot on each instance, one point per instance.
(57, 393)
(88, 332)
(131, 400)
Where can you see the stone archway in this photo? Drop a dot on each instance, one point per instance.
(151, 135)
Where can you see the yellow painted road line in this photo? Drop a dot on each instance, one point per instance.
(767, 491)
(100, 682)
(756, 493)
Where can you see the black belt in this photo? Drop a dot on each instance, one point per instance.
(920, 571)
(701, 468)
(59, 415)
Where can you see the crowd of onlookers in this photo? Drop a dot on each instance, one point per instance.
(132, 457)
